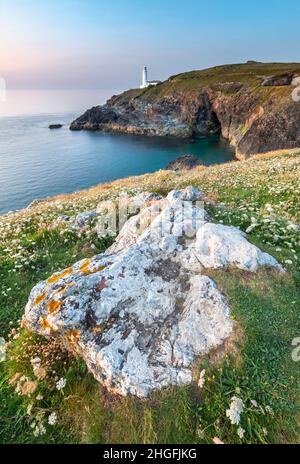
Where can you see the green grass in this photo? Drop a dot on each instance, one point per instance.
(265, 306)
(246, 73)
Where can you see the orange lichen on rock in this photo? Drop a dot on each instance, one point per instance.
(56, 277)
(74, 335)
(53, 306)
(39, 299)
(45, 325)
(63, 289)
(85, 268)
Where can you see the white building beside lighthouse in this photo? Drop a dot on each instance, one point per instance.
(145, 82)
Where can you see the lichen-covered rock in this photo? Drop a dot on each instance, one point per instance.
(218, 246)
(141, 313)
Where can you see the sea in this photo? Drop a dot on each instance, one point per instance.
(37, 163)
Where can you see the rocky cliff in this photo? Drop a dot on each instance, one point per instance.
(250, 104)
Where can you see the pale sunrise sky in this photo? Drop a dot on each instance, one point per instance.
(97, 44)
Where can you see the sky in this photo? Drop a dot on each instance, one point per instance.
(103, 44)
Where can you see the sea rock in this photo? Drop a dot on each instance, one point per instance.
(144, 311)
(55, 126)
(184, 162)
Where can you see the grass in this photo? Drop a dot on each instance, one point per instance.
(248, 74)
(260, 195)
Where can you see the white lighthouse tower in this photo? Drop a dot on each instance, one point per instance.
(145, 82)
(145, 78)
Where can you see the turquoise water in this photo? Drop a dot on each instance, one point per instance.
(39, 163)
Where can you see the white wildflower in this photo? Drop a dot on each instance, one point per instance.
(241, 432)
(235, 410)
(29, 409)
(202, 379)
(269, 410)
(250, 228)
(39, 430)
(254, 403)
(2, 349)
(52, 418)
(265, 432)
(36, 362)
(60, 385)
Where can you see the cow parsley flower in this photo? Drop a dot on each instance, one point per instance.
(29, 409)
(60, 385)
(39, 430)
(202, 379)
(52, 418)
(234, 412)
(269, 410)
(241, 432)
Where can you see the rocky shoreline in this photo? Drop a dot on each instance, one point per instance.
(250, 105)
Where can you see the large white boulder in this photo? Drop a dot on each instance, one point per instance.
(141, 313)
(218, 246)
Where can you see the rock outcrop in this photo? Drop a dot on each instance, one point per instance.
(55, 126)
(184, 162)
(251, 105)
(143, 312)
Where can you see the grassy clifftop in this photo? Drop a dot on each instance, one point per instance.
(251, 74)
(251, 105)
(260, 196)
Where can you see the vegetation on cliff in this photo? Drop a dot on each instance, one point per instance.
(48, 396)
(254, 106)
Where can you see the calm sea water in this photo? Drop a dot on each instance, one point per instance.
(36, 162)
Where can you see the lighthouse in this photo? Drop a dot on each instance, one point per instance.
(145, 82)
(145, 78)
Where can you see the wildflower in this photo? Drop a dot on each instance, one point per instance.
(236, 408)
(39, 398)
(201, 379)
(241, 432)
(200, 433)
(39, 430)
(217, 441)
(40, 373)
(269, 410)
(28, 388)
(250, 228)
(60, 385)
(14, 379)
(52, 418)
(36, 362)
(2, 349)
(29, 409)
(254, 403)
(265, 432)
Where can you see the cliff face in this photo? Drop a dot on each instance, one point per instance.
(251, 105)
